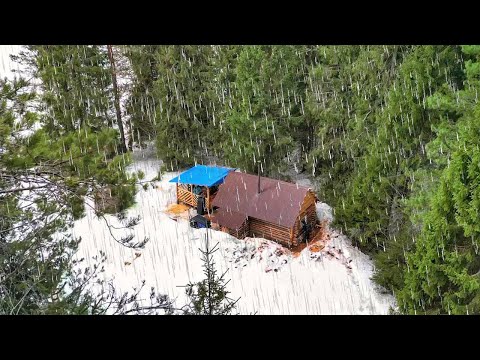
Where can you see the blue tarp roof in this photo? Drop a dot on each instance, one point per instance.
(203, 175)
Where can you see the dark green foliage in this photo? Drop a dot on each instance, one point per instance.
(444, 268)
(76, 86)
(141, 104)
(182, 89)
(259, 127)
(209, 296)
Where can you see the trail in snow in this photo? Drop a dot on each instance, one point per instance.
(269, 282)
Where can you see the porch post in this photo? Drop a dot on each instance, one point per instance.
(208, 200)
(177, 192)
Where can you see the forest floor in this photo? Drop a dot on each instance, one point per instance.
(331, 278)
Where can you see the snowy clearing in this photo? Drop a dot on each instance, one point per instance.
(267, 277)
(6, 64)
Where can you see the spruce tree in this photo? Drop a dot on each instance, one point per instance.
(182, 115)
(209, 296)
(116, 95)
(76, 86)
(141, 104)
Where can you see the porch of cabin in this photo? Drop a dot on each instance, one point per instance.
(188, 194)
(197, 181)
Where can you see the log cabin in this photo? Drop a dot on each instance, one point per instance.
(200, 181)
(247, 205)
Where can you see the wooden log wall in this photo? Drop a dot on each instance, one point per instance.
(308, 209)
(242, 231)
(260, 228)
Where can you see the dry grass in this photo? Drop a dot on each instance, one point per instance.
(177, 209)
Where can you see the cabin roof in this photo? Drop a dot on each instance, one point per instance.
(203, 175)
(279, 202)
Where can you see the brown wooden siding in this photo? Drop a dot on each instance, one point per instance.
(260, 228)
(309, 209)
(241, 232)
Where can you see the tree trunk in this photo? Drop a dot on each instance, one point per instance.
(117, 99)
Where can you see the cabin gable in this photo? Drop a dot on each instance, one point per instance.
(307, 210)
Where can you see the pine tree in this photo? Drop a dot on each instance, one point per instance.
(209, 296)
(141, 103)
(111, 57)
(76, 84)
(183, 111)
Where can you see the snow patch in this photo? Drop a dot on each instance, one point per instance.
(324, 212)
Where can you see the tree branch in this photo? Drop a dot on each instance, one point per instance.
(22, 189)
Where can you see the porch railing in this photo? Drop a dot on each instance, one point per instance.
(189, 198)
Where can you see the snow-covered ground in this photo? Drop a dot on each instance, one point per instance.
(268, 279)
(6, 64)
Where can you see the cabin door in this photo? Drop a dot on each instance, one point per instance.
(306, 230)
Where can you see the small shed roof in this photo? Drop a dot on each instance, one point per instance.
(203, 175)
